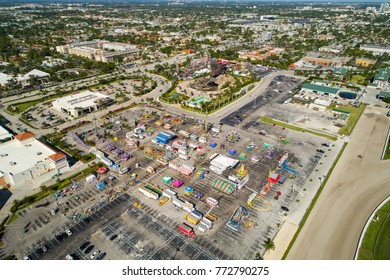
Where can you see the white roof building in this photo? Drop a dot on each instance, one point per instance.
(4, 134)
(25, 158)
(4, 79)
(81, 103)
(35, 73)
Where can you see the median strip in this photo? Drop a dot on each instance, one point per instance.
(296, 128)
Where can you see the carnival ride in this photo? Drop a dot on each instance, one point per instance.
(234, 221)
(259, 203)
(242, 172)
(232, 136)
(283, 164)
(271, 180)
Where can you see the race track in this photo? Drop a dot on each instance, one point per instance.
(356, 186)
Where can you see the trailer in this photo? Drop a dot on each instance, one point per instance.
(148, 193)
(177, 202)
(191, 218)
(202, 227)
(169, 193)
(186, 229)
(207, 222)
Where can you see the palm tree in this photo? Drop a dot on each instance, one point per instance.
(269, 245)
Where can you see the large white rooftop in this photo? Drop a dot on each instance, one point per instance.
(16, 156)
(4, 133)
(83, 99)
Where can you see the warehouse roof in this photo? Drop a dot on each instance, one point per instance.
(384, 94)
(320, 88)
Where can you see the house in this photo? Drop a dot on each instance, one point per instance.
(41, 76)
(340, 71)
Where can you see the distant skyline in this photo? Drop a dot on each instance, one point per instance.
(193, 1)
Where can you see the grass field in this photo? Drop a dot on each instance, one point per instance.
(359, 79)
(376, 241)
(354, 115)
(387, 152)
(297, 128)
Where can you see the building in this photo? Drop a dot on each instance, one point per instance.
(340, 71)
(97, 50)
(321, 82)
(381, 79)
(25, 159)
(365, 62)
(40, 76)
(325, 60)
(313, 88)
(383, 94)
(85, 102)
(376, 49)
(5, 79)
(331, 49)
(4, 134)
(165, 137)
(319, 105)
(384, 8)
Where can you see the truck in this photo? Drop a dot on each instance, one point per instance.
(182, 151)
(169, 193)
(202, 227)
(184, 157)
(282, 179)
(177, 202)
(207, 222)
(191, 218)
(186, 229)
(197, 214)
(148, 193)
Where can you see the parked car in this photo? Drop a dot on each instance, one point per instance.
(320, 151)
(84, 245)
(94, 254)
(113, 237)
(325, 144)
(101, 256)
(89, 249)
(68, 232)
(284, 208)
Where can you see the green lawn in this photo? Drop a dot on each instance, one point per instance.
(376, 241)
(296, 128)
(354, 115)
(387, 152)
(359, 79)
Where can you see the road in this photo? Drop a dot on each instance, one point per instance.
(218, 115)
(356, 186)
(33, 95)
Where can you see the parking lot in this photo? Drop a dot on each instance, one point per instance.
(277, 92)
(114, 226)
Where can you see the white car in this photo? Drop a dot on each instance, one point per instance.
(68, 232)
(94, 254)
(69, 257)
